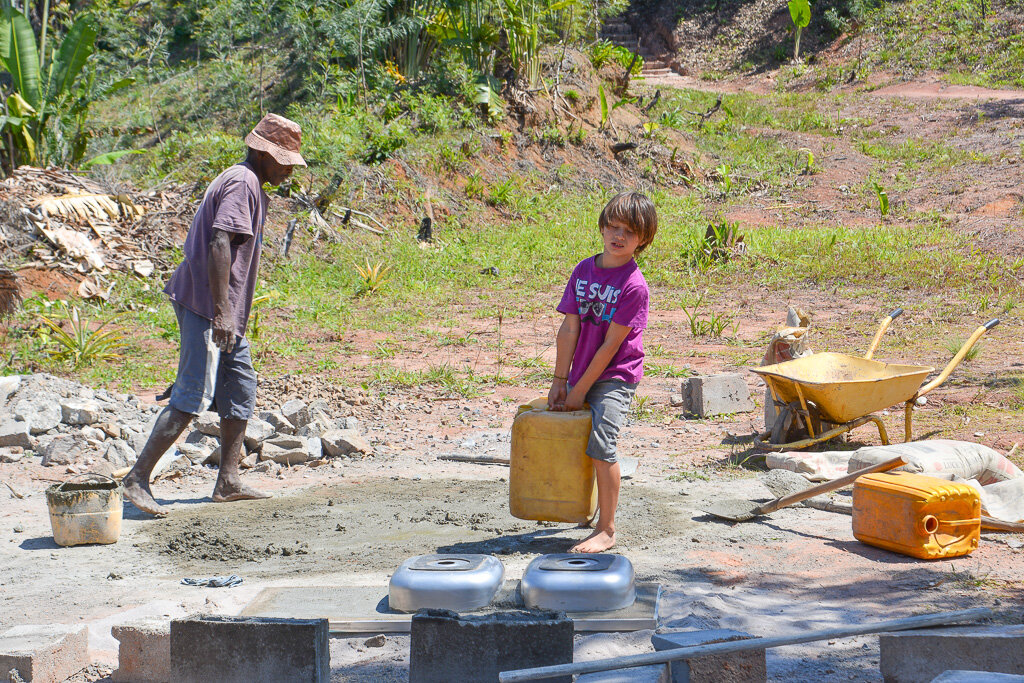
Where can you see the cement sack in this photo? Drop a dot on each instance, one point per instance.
(824, 466)
(786, 344)
(961, 459)
(1003, 500)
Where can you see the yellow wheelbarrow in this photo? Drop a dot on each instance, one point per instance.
(846, 390)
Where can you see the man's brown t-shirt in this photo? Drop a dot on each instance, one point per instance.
(235, 203)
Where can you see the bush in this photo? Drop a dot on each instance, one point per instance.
(380, 145)
(197, 156)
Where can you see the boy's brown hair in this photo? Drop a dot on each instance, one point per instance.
(635, 211)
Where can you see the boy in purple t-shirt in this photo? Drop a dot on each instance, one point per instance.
(600, 351)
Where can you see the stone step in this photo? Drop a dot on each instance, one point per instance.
(656, 72)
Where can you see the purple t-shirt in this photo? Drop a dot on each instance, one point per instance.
(235, 203)
(600, 296)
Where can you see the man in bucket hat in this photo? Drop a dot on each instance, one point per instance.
(211, 292)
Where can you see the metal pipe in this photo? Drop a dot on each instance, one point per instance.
(630, 661)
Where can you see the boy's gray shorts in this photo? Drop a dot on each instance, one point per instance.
(205, 373)
(609, 405)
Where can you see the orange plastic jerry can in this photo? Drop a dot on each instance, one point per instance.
(916, 515)
(551, 477)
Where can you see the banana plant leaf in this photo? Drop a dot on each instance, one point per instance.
(19, 55)
(109, 157)
(74, 51)
(22, 113)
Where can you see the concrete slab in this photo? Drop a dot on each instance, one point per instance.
(246, 649)
(446, 646)
(46, 653)
(921, 655)
(734, 667)
(364, 609)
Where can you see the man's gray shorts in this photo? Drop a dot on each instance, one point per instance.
(206, 374)
(609, 405)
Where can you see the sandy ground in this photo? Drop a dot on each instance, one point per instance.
(354, 523)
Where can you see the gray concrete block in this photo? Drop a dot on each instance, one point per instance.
(281, 423)
(208, 423)
(256, 430)
(64, 450)
(296, 412)
(710, 395)
(144, 653)
(976, 677)
(339, 442)
(41, 413)
(245, 649)
(922, 654)
(734, 667)
(658, 673)
(79, 412)
(8, 385)
(15, 433)
(446, 646)
(44, 653)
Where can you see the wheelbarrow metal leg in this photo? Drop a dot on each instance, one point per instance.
(908, 420)
(803, 404)
(759, 440)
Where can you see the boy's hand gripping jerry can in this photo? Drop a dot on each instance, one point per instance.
(916, 515)
(551, 477)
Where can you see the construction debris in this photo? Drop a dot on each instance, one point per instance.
(62, 220)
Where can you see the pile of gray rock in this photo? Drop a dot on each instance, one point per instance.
(296, 433)
(70, 425)
(85, 430)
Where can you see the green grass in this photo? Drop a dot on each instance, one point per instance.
(916, 152)
(460, 382)
(951, 36)
(432, 293)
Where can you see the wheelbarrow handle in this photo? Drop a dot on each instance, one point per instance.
(881, 330)
(955, 361)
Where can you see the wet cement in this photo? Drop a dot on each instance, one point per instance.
(375, 524)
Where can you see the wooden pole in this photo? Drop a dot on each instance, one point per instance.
(629, 661)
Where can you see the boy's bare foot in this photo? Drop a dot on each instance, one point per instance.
(228, 493)
(139, 494)
(597, 542)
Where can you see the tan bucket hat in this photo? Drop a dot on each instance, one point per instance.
(281, 138)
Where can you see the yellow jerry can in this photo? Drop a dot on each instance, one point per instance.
(916, 515)
(551, 477)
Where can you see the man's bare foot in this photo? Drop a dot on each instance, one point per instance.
(228, 493)
(139, 495)
(597, 542)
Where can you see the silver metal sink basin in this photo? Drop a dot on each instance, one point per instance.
(460, 583)
(575, 582)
